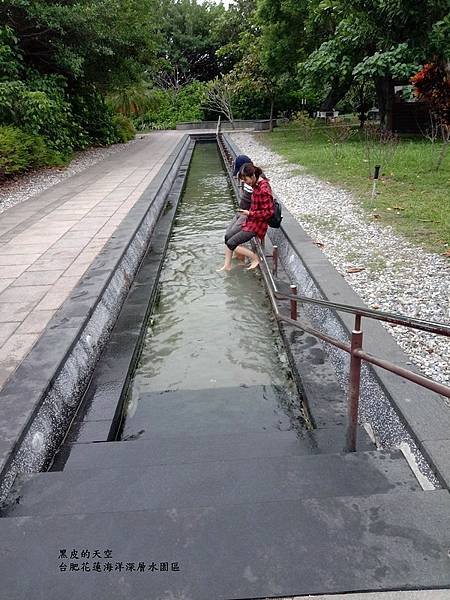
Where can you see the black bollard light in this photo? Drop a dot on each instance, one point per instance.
(375, 180)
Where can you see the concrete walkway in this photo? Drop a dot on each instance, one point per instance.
(48, 242)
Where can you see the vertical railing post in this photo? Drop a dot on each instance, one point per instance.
(353, 393)
(294, 303)
(275, 261)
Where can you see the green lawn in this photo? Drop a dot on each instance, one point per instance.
(412, 196)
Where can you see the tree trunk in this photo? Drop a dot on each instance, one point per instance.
(272, 101)
(362, 106)
(445, 142)
(231, 116)
(337, 92)
(385, 96)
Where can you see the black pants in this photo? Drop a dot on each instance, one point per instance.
(234, 236)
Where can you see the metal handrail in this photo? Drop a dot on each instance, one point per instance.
(411, 322)
(355, 350)
(421, 324)
(355, 347)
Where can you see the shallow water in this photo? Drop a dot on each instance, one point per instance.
(208, 329)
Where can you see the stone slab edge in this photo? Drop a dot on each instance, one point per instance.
(441, 594)
(424, 414)
(42, 395)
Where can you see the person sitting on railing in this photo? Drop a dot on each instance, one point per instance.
(245, 197)
(256, 218)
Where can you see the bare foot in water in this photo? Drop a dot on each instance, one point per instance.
(224, 268)
(253, 265)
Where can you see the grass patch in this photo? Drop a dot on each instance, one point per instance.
(412, 197)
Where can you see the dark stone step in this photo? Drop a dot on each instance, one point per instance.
(208, 483)
(203, 447)
(218, 410)
(254, 550)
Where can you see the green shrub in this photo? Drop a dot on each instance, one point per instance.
(10, 94)
(131, 101)
(94, 119)
(50, 117)
(20, 151)
(248, 104)
(125, 128)
(10, 54)
(169, 107)
(68, 119)
(39, 107)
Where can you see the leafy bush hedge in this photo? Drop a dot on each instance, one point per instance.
(39, 106)
(169, 107)
(20, 151)
(125, 128)
(57, 122)
(94, 119)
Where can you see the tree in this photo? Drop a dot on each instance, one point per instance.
(280, 45)
(432, 84)
(383, 40)
(188, 50)
(250, 76)
(219, 98)
(99, 41)
(335, 44)
(259, 69)
(227, 31)
(58, 59)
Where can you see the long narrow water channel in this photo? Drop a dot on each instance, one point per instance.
(208, 329)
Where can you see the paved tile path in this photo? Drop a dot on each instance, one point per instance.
(48, 242)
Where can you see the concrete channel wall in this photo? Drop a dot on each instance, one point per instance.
(57, 370)
(399, 413)
(255, 124)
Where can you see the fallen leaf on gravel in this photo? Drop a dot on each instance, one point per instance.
(320, 244)
(375, 306)
(355, 269)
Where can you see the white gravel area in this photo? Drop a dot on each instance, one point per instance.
(396, 275)
(23, 187)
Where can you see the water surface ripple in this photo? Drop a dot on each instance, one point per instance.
(208, 329)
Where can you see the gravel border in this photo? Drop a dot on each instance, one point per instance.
(23, 187)
(396, 275)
